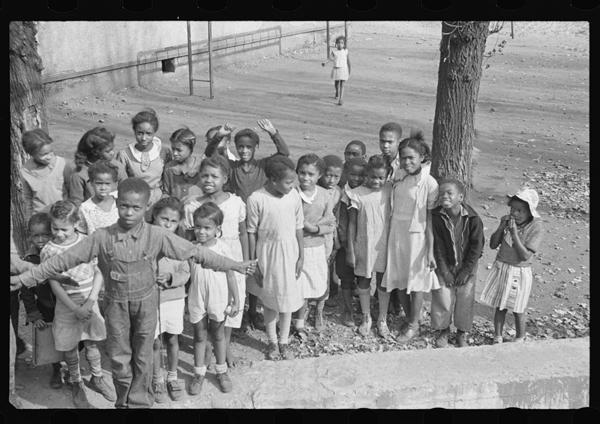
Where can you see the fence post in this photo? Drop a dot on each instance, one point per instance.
(327, 39)
(210, 72)
(190, 72)
(346, 33)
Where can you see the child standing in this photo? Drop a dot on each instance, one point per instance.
(76, 313)
(213, 177)
(368, 221)
(319, 220)
(171, 279)
(278, 246)
(182, 172)
(458, 245)
(248, 175)
(354, 149)
(410, 259)
(341, 67)
(356, 173)
(212, 297)
(43, 174)
(39, 302)
(508, 285)
(127, 253)
(100, 210)
(146, 157)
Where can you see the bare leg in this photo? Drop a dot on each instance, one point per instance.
(499, 317)
(416, 303)
(341, 92)
(172, 351)
(217, 331)
(520, 324)
(231, 359)
(337, 92)
(200, 337)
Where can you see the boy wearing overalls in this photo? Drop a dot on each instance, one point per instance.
(127, 257)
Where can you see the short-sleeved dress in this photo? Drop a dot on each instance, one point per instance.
(275, 221)
(148, 165)
(372, 223)
(234, 212)
(68, 330)
(208, 293)
(407, 266)
(93, 217)
(340, 65)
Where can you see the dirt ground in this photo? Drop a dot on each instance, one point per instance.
(532, 125)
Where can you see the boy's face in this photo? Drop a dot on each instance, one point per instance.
(132, 207)
(332, 176)
(356, 175)
(39, 235)
(449, 196)
(388, 143)
(245, 147)
(352, 151)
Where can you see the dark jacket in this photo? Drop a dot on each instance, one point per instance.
(39, 300)
(444, 250)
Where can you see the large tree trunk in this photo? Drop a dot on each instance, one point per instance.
(461, 55)
(26, 112)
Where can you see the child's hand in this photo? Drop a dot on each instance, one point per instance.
(188, 212)
(504, 221)
(164, 280)
(310, 228)
(267, 126)
(431, 261)
(83, 313)
(247, 267)
(232, 309)
(39, 323)
(225, 129)
(512, 226)
(299, 265)
(15, 283)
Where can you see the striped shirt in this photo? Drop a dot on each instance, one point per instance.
(78, 280)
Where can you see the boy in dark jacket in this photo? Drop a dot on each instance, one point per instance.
(458, 245)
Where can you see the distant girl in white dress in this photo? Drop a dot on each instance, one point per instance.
(410, 262)
(368, 223)
(341, 67)
(275, 223)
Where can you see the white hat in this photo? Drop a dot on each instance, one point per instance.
(529, 196)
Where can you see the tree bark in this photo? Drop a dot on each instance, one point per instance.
(461, 56)
(26, 112)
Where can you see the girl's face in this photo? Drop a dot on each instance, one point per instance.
(168, 219)
(44, 155)
(285, 184)
(144, 134)
(63, 230)
(212, 180)
(388, 143)
(340, 44)
(308, 175)
(332, 176)
(181, 151)
(352, 151)
(376, 178)
(40, 234)
(449, 196)
(519, 211)
(103, 185)
(356, 175)
(410, 160)
(108, 153)
(205, 230)
(245, 147)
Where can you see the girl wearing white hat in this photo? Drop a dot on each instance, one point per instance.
(509, 283)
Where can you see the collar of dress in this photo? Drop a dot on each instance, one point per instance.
(153, 153)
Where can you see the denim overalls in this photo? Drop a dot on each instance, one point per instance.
(131, 313)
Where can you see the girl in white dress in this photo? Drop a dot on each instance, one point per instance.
(275, 233)
(410, 262)
(100, 210)
(368, 223)
(341, 67)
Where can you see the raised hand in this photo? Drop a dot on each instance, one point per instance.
(267, 126)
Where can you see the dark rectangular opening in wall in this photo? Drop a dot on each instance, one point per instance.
(168, 65)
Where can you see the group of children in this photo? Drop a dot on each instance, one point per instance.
(200, 231)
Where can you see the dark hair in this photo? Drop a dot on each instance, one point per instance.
(311, 159)
(416, 141)
(40, 218)
(392, 127)
(339, 37)
(34, 140)
(333, 161)
(247, 132)
(94, 142)
(360, 161)
(167, 203)
(103, 167)
(146, 115)
(277, 165)
(65, 210)
(209, 210)
(378, 162)
(184, 136)
(216, 161)
(134, 185)
(358, 143)
(458, 184)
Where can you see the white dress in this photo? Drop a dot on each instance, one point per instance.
(275, 221)
(93, 217)
(340, 65)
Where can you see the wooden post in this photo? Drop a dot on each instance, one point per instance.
(190, 71)
(346, 33)
(327, 39)
(210, 72)
(512, 33)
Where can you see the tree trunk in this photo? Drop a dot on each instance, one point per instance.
(26, 112)
(461, 55)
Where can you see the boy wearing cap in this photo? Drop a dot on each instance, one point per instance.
(458, 245)
(509, 283)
